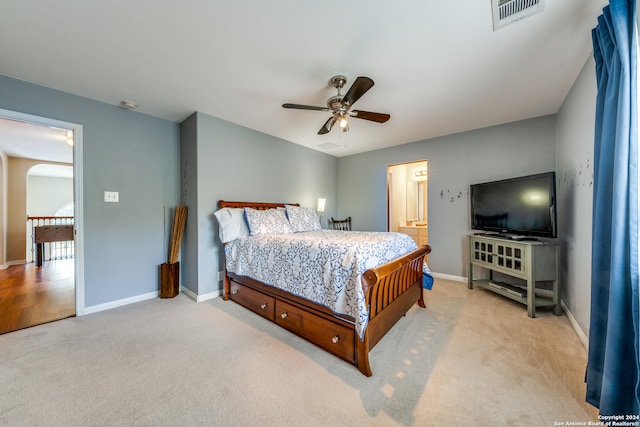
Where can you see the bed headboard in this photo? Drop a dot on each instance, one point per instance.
(254, 205)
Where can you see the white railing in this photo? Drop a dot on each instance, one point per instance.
(51, 238)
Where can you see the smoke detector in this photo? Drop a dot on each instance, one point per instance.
(128, 105)
(507, 12)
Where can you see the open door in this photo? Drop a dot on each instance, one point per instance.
(45, 157)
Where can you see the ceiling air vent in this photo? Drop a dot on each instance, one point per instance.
(328, 145)
(507, 12)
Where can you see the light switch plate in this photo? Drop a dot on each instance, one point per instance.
(111, 196)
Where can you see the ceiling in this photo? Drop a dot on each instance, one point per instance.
(438, 66)
(33, 141)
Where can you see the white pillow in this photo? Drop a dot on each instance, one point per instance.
(267, 221)
(303, 219)
(232, 224)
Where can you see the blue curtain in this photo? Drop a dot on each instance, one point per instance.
(613, 369)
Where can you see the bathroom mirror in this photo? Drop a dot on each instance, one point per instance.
(407, 188)
(416, 197)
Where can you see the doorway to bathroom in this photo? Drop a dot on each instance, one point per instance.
(407, 201)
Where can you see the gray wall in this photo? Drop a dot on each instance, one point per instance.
(189, 198)
(125, 151)
(576, 123)
(224, 161)
(455, 162)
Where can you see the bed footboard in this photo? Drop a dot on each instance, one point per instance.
(390, 291)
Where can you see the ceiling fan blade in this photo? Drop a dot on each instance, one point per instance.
(327, 126)
(368, 115)
(359, 88)
(305, 107)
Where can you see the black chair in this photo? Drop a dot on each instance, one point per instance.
(340, 224)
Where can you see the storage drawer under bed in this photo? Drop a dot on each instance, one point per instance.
(332, 337)
(255, 301)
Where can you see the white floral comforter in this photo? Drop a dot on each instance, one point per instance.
(323, 266)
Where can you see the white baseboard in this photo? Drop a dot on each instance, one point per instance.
(449, 277)
(581, 335)
(144, 297)
(118, 303)
(189, 293)
(200, 298)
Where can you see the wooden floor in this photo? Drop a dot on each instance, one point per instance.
(31, 295)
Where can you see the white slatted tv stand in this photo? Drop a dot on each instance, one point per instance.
(531, 261)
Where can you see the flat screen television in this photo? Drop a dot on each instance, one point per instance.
(522, 206)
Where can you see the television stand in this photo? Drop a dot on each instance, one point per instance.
(531, 261)
(505, 236)
(524, 239)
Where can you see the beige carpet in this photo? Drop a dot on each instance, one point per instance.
(470, 359)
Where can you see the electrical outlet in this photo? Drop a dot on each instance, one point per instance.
(220, 276)
(111, 196)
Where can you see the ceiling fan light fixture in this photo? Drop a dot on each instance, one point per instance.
(344, 123)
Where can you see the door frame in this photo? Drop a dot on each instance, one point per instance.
(78, 214)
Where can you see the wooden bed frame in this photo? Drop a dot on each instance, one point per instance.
(390, 291)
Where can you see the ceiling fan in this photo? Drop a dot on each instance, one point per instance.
(340, 106)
